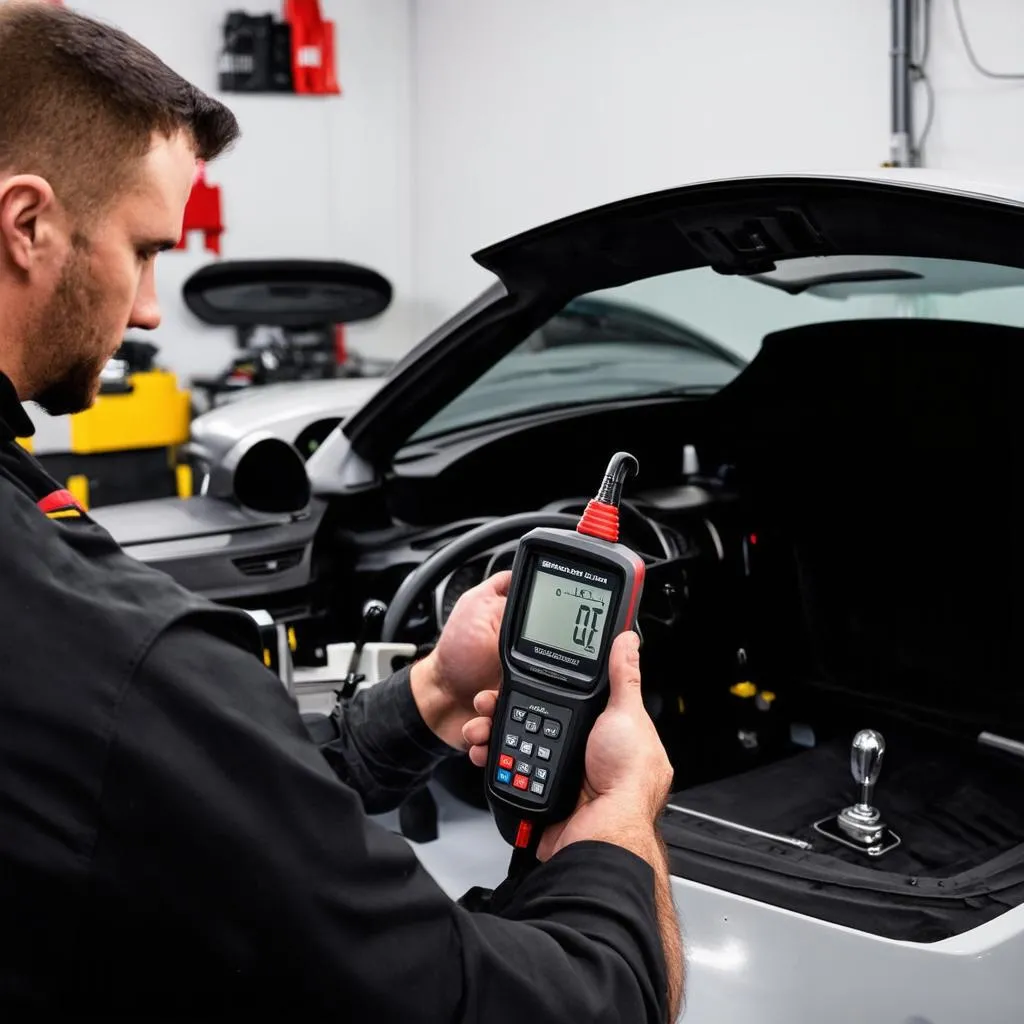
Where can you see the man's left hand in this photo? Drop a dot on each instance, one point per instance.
(464, 662)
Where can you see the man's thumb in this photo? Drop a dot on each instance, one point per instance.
(624, 669)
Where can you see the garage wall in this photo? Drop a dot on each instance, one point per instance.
(319, 177)
(530, 110)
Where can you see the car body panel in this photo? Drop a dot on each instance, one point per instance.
(747, 961)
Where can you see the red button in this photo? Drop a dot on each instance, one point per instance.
(506, 761)
(520, 781)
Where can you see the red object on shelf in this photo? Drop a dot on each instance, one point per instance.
(312, 48)
(340, 348)
(203, 212)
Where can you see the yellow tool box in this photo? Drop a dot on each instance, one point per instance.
(123, 448)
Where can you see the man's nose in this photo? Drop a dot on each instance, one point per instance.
(145, 313)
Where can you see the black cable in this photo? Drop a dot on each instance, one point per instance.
(924, 19)
(1005, 75)
(919, 145)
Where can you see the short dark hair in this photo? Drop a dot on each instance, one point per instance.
(80, 102)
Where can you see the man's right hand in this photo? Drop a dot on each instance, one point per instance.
(627, 775)
(626, 784)
(627, 772)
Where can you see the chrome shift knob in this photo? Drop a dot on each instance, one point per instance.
(866, 759)
(860, 825)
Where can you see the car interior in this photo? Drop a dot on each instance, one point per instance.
(838, 555)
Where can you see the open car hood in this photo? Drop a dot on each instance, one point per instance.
(738, 226)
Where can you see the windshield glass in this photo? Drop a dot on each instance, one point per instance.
(692, 331)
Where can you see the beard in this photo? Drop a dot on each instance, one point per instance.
(68, 347)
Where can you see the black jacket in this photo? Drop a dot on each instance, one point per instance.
(172, 844)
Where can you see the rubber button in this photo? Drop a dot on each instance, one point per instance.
(506, 761)
(504, 775)
(518, 714)
(552, 728)
(520, 781)
(532, 723)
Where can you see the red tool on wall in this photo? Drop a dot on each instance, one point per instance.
(203, 212)
(312, 48)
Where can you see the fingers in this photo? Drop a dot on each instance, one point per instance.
(477, 731)
(624, 670)
(498, 583)
(478, 755)
(486, 703)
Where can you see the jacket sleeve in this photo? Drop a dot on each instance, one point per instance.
(248, 873)
(383, 749)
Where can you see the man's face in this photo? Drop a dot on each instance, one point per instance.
(106, 284)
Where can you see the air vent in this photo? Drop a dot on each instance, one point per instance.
(270, 563)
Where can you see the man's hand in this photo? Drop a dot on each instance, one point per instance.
(627, 774)
(464, 662)
(627, 781)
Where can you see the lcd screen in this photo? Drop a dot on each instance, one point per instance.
(565, 615)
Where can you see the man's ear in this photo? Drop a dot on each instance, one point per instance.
(28, 208)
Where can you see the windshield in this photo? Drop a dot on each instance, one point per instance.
(692, 331)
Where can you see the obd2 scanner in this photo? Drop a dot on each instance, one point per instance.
(571, 594)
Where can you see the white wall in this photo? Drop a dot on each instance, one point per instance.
(317, 177)
(529, 110)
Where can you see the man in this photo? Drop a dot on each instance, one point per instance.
(172, 844)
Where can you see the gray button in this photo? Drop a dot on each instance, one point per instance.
(544, 753)
(532, 723)
(541, 774)
(524, 767)
(526, 748)
(518, 714)
(511, 740)
(552, 728)
(537, 787)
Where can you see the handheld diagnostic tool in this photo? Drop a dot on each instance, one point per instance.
(571, 594)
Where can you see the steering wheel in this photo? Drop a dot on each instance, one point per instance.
(429, 573)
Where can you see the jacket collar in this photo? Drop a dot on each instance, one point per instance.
(14, 421)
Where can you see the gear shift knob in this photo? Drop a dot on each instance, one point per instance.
(860, 825)
(866, 760)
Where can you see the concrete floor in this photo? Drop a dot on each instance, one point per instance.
(468, 850)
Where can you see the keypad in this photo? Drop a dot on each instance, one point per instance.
(523, 764)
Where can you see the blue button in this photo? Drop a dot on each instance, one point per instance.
(504, 775)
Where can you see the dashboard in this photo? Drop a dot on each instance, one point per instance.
(681, 529)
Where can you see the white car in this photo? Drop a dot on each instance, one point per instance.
(828, 505)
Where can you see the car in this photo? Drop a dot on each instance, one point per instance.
(827, 505)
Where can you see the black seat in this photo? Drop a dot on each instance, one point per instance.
(881, 464)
